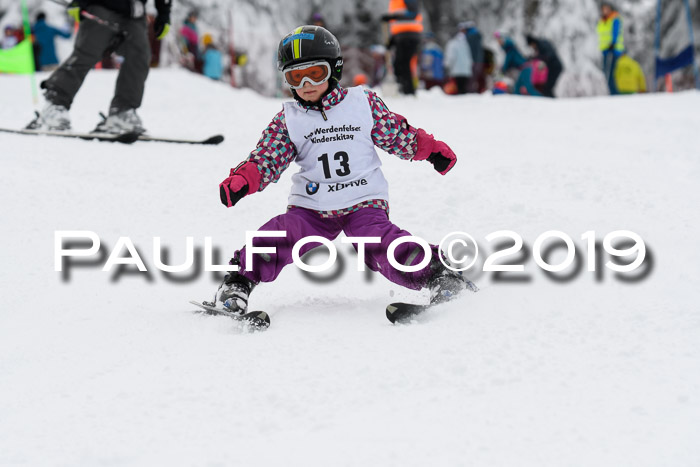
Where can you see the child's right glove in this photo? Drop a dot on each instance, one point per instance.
(436, 152)
(243, 180)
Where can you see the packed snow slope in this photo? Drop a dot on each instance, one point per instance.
(116, 369)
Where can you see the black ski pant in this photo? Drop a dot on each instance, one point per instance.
(462, 83)
(127, 36)
(553, 72)
(406, 44)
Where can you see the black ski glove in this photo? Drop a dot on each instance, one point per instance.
(161, 26)
(440, 162)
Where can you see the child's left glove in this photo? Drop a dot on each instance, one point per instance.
(436, 152)
(243, 180)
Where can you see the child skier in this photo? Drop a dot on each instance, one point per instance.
(331, 133)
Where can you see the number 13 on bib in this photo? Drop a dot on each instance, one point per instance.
(339, 164)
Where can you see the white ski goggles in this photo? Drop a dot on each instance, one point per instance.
(314, 72)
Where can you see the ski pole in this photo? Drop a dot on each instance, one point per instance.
(86, 14)
(109, 25)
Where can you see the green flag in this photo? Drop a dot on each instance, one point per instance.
(19, 59)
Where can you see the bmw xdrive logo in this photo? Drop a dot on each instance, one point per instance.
(312, 188)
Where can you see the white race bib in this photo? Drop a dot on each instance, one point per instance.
(339, 165)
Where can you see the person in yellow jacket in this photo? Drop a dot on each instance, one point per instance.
(629, 77)
(406, 28)
(611, 41)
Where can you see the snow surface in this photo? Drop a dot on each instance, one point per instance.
(95, 371)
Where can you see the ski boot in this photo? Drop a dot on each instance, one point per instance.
(119, 122)
(446, 284)
(52, 118)
(233, 293)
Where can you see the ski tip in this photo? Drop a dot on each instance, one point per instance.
(404, 312)
(127, 138)
(216, 139)
(257, 319)
(391, 313)
(253, 321)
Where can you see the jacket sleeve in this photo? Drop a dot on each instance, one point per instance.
(274, 152)
(61, 32)
(391, 132)
(163, 8)
(615, 32)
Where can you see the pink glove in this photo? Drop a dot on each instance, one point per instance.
(243, 180)
(436, 152)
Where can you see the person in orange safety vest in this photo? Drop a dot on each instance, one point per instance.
(406, 29)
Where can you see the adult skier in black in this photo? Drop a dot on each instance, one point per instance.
(116, 25)
(545, 51)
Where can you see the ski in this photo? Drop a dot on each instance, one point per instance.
(212, 140)
(126, 138)
(403, 312)
(255, 320)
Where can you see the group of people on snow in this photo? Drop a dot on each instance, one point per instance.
(43, 37)
(201, 55)
(466, 65)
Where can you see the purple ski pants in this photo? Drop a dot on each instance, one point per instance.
(367, 222)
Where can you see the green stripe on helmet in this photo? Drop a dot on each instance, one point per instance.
(296, 46)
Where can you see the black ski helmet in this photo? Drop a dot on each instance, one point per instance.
(309, 43)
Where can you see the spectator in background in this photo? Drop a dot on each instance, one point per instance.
(46, 36)
(377, 53)
(611, 41)
(629, 77)
(190, 37)
(317, 20)
(9, 40)
(458, 59)
(360, 79)
(516, 63)
(213, 59)
(478, 81)
(432, 66)
(153, 41)
(545, 51)
(514, 59)
(406, 28)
